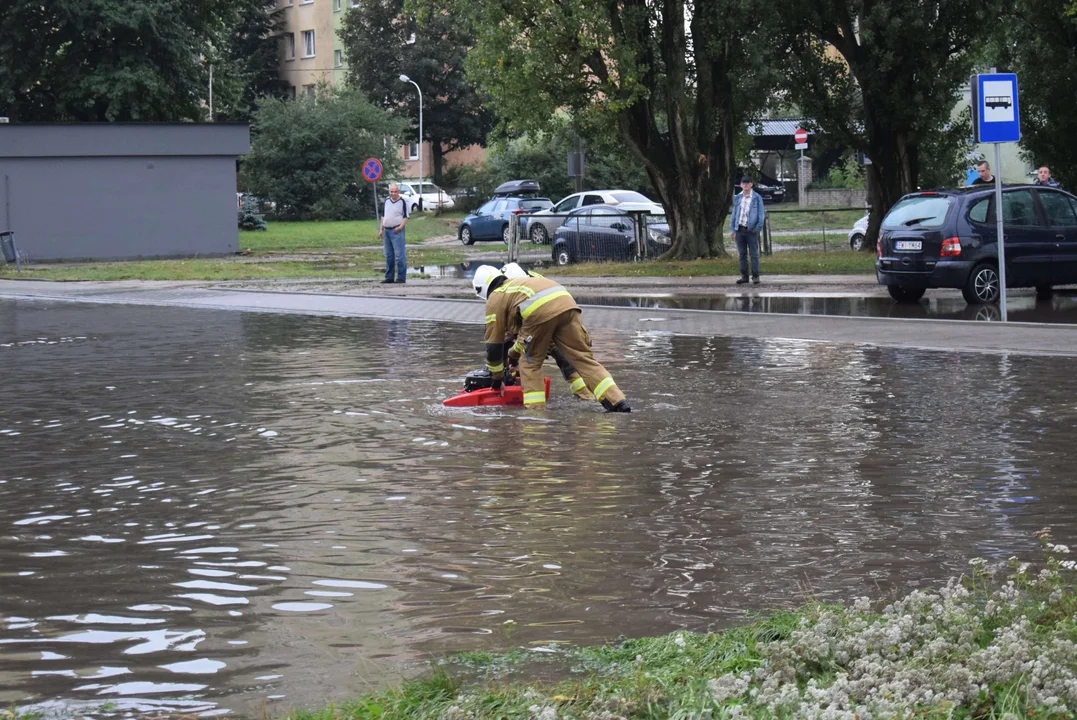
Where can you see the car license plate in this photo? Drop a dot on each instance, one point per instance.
(908, 245)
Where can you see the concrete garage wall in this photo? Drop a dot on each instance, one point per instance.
(836, 198)
(116, 191)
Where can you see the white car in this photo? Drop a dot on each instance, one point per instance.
(541, 226)
(433, 197)
(858, 233)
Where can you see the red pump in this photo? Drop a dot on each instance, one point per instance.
(478, 393)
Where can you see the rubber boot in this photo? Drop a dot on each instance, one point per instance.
(621, 406)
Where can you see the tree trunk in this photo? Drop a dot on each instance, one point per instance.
(893, 171)
(438, 153)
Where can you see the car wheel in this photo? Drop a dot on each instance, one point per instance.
(1044, 292)
(903, 294)
(988, 313)
(465, 236)
(856, 242)
(539, 234)
(505, 234)
(561, 256)
(414, 208)
(982, 286)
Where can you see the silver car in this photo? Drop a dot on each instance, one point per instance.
(541, 226)
(858, 233)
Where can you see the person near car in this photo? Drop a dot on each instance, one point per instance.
(546, 316)
(394, 217)
(983, 171)
(1043, 177)
(568, 372)
(745, 224)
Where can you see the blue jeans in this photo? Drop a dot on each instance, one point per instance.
(395, 257)
(748, 244)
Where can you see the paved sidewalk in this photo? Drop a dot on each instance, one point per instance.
(944, 335)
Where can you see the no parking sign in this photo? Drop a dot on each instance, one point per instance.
(372, 170)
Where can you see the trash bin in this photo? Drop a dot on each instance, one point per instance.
(8, 248)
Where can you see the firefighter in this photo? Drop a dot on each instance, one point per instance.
(579, 387)
(546, 315)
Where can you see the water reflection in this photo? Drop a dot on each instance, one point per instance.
(208, 510)
(1059, 308)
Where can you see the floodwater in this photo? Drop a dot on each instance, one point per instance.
(208, 511)
(1061, 307)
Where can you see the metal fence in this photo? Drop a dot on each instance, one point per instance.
(613, 236)
(603, 235)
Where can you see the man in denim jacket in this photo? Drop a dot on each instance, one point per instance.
(745, 223)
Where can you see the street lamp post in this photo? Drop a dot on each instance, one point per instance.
(405, 78)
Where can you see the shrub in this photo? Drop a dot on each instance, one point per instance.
(250, 215)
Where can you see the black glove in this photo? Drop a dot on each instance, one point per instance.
(495, 384)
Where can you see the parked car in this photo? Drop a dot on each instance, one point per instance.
(946, 239)
(419, 196)
(491, 221)
(769, 189)
(858, 233)
(542, 225)
(607, 232)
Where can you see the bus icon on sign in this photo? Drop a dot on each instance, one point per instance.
(998, 101)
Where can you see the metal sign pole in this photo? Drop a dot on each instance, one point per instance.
(999, 234)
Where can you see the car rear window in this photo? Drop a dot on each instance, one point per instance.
(919, 211)
(537, 204)
(629, 196)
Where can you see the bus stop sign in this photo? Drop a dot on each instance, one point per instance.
(995, 112)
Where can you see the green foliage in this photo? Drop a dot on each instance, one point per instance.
(1041, 47)
(676, 80)
(543, 156)
(849, 174)
(245, 58)
(307, 154)
(111, 60)
(889, 88)
(250, 215)
(381, 42)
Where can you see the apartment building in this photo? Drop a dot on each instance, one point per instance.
(311, 52)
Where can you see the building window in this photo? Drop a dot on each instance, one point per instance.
(338, 58)
(353, 3)
(287, 3)
(337, 4)
(308, 43)
(311, 90)
(291, 91)
(289, 46)
(413, 151)
(306, 2)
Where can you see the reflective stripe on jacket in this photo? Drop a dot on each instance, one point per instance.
(532, 299)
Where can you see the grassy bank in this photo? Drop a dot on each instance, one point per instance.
(318, 266)
(806, 262)
(997, 643)
(791, 217)
(284, 236)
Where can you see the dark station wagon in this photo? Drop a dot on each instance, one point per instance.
(947, 239)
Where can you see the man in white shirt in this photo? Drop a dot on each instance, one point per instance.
(393, 219)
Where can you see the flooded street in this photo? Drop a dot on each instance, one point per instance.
(204, 510)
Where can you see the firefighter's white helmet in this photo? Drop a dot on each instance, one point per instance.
(483, 277)
(513, 270)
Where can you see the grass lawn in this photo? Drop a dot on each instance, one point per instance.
(355, 265)
(795, 218)
(800, 262)
(346, 233)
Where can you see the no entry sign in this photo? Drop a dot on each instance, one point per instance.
(372, 170)
(801, 135)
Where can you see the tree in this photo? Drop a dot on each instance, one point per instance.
(145, 60)
(1041, 47)
(381, 43)
(246, 59)
(675, 78)
(306, 154)
(890, 87)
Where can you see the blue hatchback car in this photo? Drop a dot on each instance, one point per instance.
(491, 221)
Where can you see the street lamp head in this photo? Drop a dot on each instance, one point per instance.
(405, 78)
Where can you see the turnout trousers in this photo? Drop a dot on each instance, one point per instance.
(570, 336)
